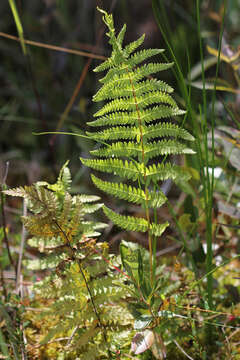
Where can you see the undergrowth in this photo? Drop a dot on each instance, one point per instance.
(79, 301)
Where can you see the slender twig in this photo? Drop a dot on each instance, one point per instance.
(53, 47)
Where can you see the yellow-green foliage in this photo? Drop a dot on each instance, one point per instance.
(81, 313)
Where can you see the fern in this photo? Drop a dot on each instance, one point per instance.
(134, 137)
(80, 295)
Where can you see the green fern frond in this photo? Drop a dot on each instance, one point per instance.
(148, 132)
(49, 262)
(88, 198)
(147, 116)
(111, 91)
(129, 223)
(125, 169)
(91, 208)
(158, 229)
(120, 78)
(117, 133)
(166, 171)
(121, 34)
(134, 134)
(132, 149)
(129, 104)
(130, 193)
(130, 48)
(166, 129)
(144, 54)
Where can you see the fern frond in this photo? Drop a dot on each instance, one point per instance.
(142, 55)
(166, 129)
(130, 48)
(111, 91)
(91, 208)
(20, 191)
(130, 193)
(48, 262)
(117, 133)
(135, 104)
(66, 209)
(118, 167)
(119, 149)
(147, 116)
(158, 229)
(132, 149)
(130, 223)
(103, 66)
(165, 147)
(161, 172)
(119, 75)
(122, 191)
(88, 198)
(130, 104)
(121, 34)
(148, 132)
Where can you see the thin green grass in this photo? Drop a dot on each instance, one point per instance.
(204, 160)
(18, 23)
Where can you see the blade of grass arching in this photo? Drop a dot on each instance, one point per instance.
(18, 25)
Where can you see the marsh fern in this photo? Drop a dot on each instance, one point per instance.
(136, 132)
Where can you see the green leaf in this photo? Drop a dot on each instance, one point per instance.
(158, 229)
(129, 223)
(121, 168)
(166, 171)
(134, 45)
(146, 116)
(130, 193)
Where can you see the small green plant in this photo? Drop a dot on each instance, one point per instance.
(78, 300)
(135, 144)
(136, 135)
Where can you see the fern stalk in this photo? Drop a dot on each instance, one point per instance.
(146, 189)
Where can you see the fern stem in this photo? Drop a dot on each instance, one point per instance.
(94, 306)
(145, 180)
